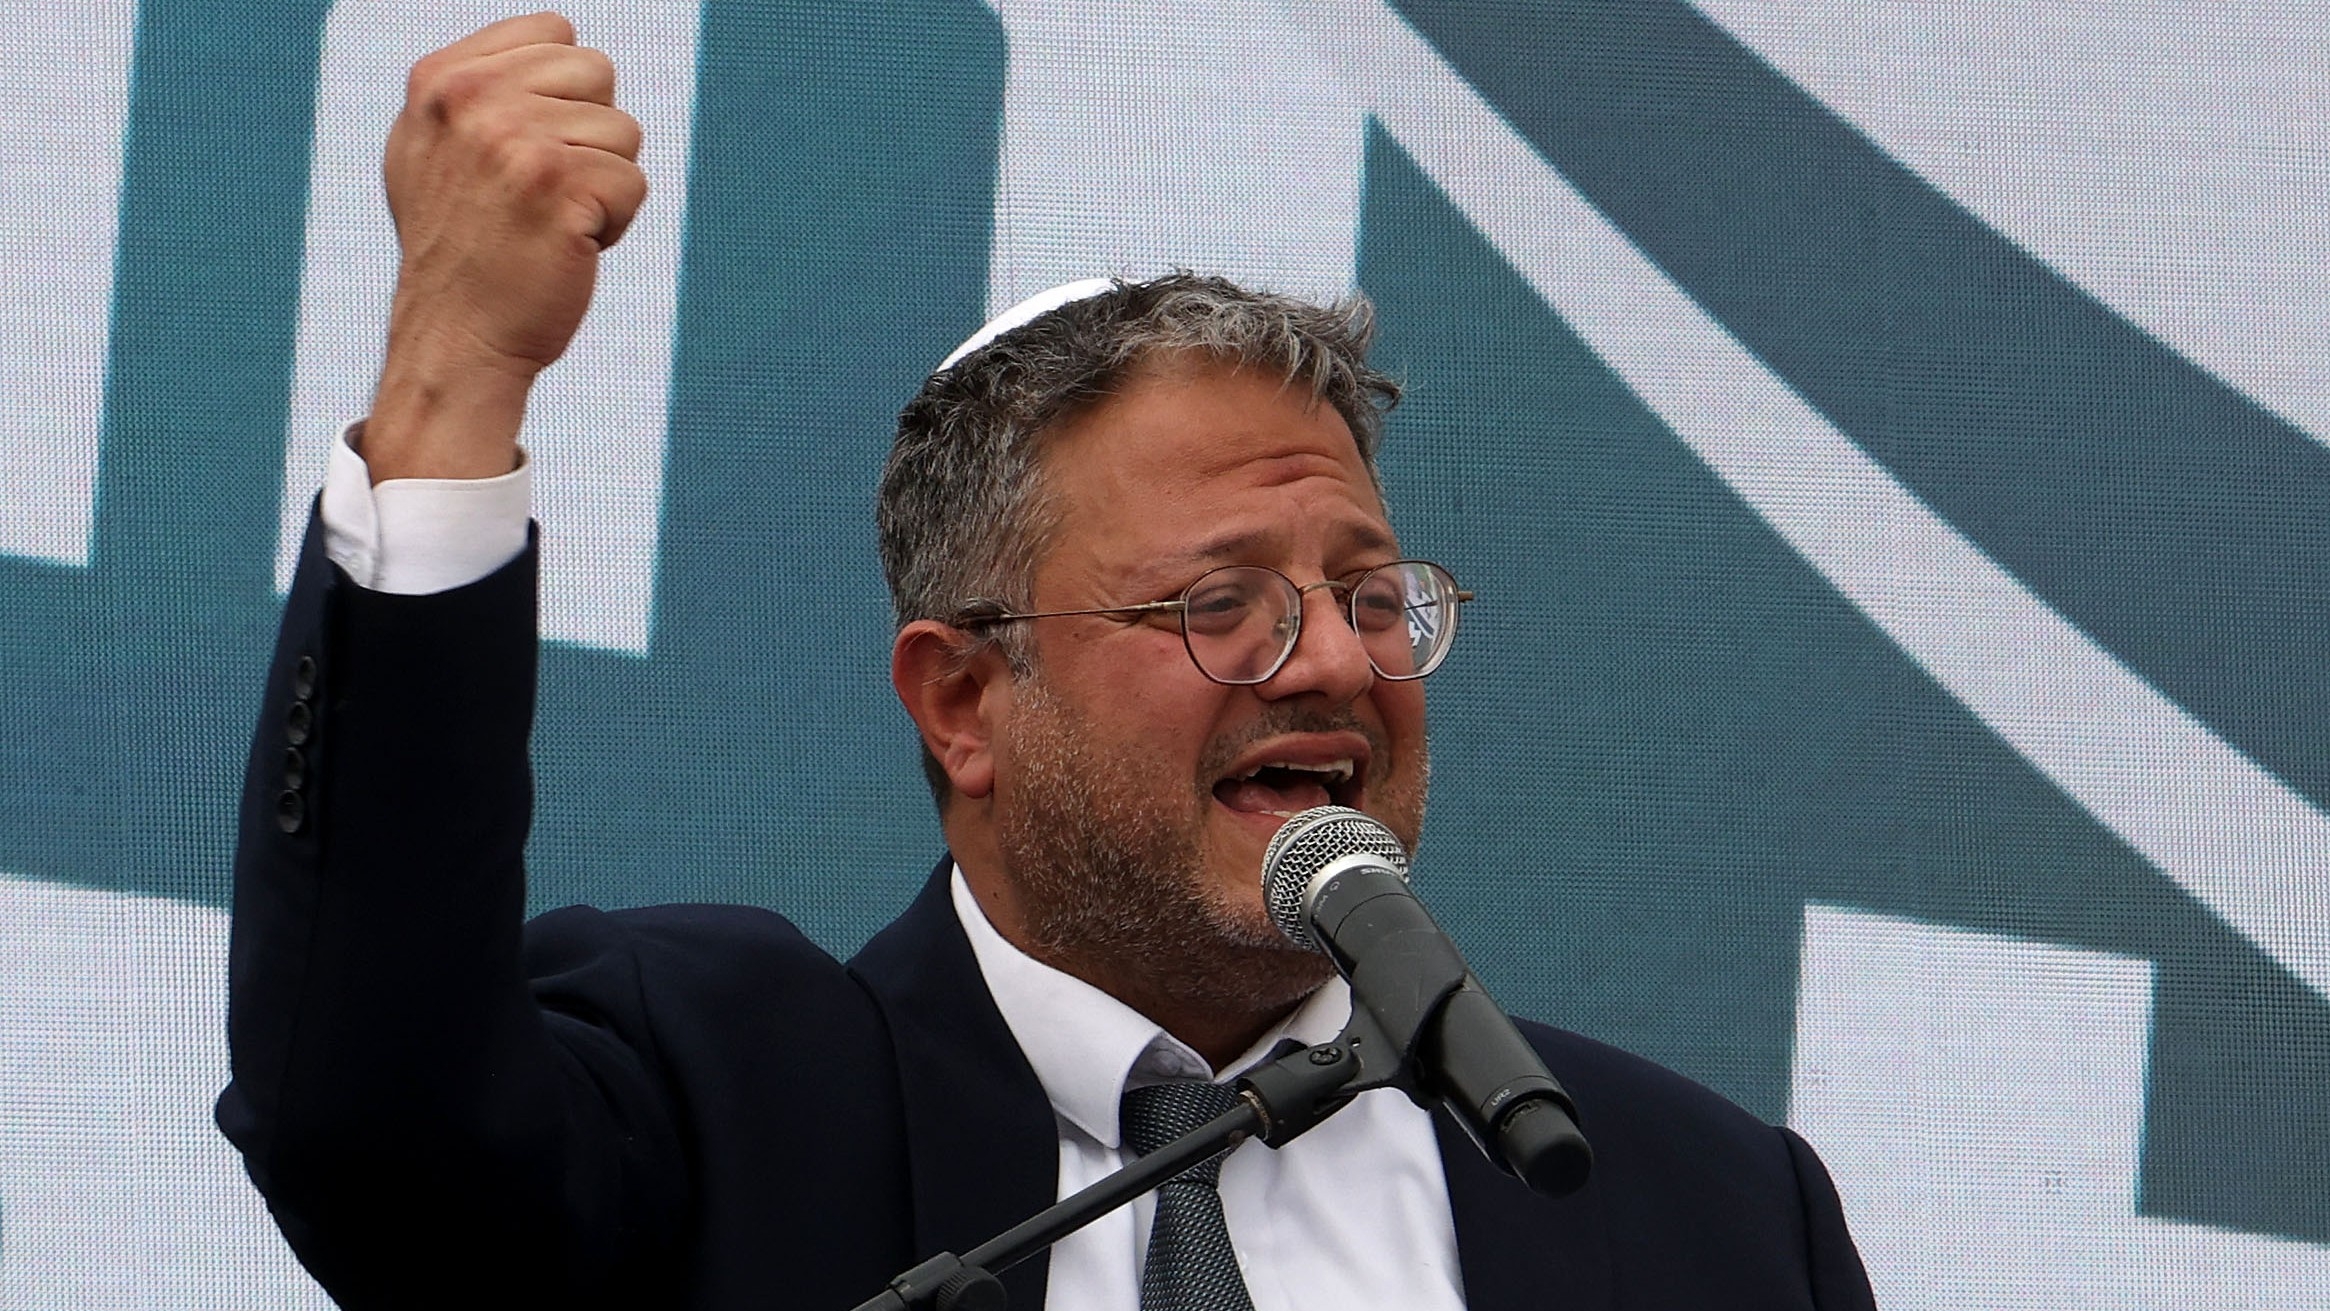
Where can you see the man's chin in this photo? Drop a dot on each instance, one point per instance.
(1240, 838)
(1254, 970)
(1210, 957)
(1250, 956)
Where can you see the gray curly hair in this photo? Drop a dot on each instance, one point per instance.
(962, 514)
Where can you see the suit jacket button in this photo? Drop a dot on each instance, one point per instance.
(303, 678)
(294, 769)
(296, 722)
(290, 810)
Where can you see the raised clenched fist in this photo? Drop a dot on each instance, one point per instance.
(509, 171)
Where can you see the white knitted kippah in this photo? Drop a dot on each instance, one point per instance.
(1027, 311)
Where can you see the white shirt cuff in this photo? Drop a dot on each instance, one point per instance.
(419, 535)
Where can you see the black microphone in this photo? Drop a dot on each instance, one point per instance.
(1336, 881)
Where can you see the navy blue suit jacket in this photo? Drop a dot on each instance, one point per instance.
(696, 1106)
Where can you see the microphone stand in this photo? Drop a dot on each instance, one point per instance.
(1277, 1103)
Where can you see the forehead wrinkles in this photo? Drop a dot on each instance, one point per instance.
(1177, 459)
(1281, 469)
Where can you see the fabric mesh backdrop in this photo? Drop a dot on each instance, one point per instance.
(1887, 442)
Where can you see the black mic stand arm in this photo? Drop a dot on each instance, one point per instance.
(1277, 1103)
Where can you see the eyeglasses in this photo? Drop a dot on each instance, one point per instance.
(1240, 622)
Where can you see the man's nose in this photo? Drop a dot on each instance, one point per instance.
(1328, 658)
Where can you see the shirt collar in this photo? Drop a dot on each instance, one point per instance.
(1087, 1047)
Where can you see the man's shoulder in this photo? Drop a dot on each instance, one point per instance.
(710, 955)
(682, 924)
(1628, 1100)
(692, 954)
(1698, 1198)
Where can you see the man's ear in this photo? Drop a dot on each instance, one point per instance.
(944, 678)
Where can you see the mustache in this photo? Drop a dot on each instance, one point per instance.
(1280, 720)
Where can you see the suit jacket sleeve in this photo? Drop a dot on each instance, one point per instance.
(423, 1128)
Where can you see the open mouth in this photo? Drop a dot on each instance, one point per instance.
(1281, 787)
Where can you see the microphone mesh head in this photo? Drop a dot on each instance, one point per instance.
(1307, 844)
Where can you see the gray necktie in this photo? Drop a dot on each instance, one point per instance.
(1191, 1266)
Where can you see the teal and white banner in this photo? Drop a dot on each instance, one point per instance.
(1888, 442)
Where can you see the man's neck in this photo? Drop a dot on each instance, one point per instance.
(1219, 1007)
(1217, 1033)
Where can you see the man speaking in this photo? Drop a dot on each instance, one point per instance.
(1139, 557)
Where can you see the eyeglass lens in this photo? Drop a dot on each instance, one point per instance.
(1241, 621)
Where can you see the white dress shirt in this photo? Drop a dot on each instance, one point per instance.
(1352, 1215)
(413, 536)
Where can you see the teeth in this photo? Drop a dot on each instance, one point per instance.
(1339, 770)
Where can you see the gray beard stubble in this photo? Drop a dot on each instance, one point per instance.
(1113, 877)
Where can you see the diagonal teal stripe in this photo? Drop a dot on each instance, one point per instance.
(2167, 515)
(1664, 732)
